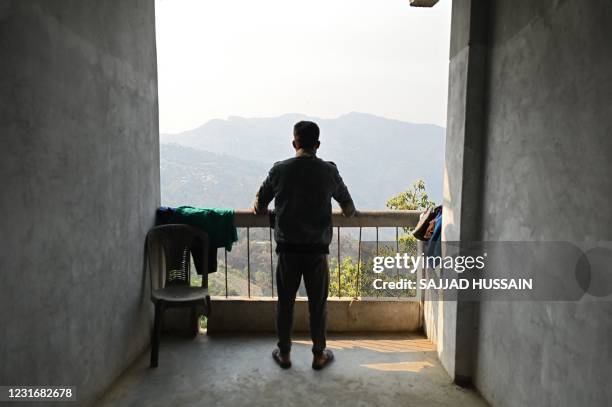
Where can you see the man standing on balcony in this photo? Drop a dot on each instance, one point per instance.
(302, 188)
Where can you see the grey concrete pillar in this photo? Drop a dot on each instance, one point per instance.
(463, 173)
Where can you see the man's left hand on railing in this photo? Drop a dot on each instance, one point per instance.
(348, 209)
(259, 211)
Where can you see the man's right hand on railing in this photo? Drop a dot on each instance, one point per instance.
(348, 209)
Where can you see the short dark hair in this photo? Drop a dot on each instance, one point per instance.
(307, 133)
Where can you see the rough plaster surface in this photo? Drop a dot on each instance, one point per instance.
(461, 180)
(544, 155)
(547, 177)
(79, 162)
(369, 370)
(343, 315)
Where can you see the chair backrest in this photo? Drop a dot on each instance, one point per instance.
(169, 252)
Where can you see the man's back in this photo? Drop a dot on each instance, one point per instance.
(303, 187)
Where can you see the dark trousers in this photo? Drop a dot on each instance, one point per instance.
(291, 267)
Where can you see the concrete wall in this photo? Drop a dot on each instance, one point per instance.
(462, 180)
(545, 159)
(548, 160)
(343, 315)
(79, 164)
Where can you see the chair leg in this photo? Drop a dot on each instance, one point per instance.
(159, 311)
(195, 321)
(207, 306)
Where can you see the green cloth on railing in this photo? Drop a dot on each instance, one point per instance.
(218, 223)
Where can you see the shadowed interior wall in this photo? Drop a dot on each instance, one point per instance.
(547, 166)
(79, 163)
(528, 158)
(450, 324)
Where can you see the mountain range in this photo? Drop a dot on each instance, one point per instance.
(222, 162)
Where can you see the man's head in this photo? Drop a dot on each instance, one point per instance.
(306, 136)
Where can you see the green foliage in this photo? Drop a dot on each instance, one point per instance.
(202, 323)
(358, 282)
(414, 198)
(350, 278)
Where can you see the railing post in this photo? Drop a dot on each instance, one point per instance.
(358, 288)
(339, 264)
(248, 263)
(397, 251)
(225, 253)
(271, 266)
(421, 272)
(377, 252)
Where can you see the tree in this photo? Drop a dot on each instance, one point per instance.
(414, 198)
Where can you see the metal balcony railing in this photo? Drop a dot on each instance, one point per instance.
(364, 219)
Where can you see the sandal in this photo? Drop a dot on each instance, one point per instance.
(284, 361)
(324, 359)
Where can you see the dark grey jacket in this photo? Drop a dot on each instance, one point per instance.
(302, 188)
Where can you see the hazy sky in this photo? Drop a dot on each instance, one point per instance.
(262, 58)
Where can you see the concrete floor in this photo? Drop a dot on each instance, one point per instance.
(370, 370)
